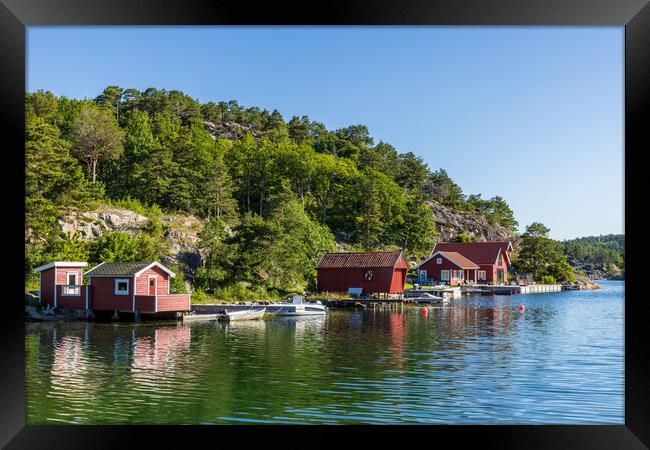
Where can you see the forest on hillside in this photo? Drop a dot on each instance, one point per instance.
(274, 194)
(598, 251)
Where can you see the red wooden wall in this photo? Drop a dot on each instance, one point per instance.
(384, 280)
(142, 281)
(104, 298)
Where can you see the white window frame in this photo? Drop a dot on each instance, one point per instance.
(438, 260)
(66, 291)
(460, 275)
(368, 275)
(122, 280)
(423, 276)
(481, 275)
(444, 275)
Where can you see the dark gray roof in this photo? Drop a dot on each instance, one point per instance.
(121, 269)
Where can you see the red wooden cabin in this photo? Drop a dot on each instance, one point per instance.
(450, 267)
(141, 287)
(374, 272)
(61, 284)
(492, 259)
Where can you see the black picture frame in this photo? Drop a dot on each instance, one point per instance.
(634, 15)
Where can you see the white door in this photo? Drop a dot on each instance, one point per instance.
(423, 276)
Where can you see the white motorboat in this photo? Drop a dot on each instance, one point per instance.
(246, 314)
(298, 308)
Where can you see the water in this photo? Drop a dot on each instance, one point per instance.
(477, 361)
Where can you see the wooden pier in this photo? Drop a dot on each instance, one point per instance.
(510, 289)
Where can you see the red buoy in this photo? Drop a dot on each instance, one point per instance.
(521, 307)
(424, 311)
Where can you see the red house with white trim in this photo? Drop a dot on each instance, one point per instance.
(374, 272)
(474, 262)
(141, 287)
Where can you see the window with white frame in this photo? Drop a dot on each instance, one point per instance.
(71, 284)
(444, 275)
(438, 260)
(368, 276)
(122, 286)
(481, 275)
(461, 274)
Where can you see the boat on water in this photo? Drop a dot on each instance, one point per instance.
(429, 298)
(571, 287)
(246, 314)
(299, 308)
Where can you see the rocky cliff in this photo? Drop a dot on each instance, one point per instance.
(450, 223)
(181, 233)
(182, 230)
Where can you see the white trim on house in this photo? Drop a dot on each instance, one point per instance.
(54, 285)
(401, 255)
(447, 257)
(155, 263)
(60, 264)
(122, 280)
(64, 289)
(90, 270)
(496, 261)
(442, 273)
(155, 291)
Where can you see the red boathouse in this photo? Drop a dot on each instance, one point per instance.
(374, 272)
(458, 262)
(141, 287)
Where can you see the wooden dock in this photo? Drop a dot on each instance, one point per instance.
(510, 289)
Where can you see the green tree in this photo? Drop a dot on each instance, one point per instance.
(114, 247)
(110, 99)
(218, 187)
(539, 255)
(418, 229)
(560, 269)
(96, 137)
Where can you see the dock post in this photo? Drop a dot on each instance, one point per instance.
(136, 315)
(116, 316)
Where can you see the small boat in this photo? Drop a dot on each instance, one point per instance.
(298, 308)
(429, 298)
(246, 314)
(571, 287)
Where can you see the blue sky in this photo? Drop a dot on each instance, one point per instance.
(534, 114)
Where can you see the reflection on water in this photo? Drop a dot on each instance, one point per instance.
(477, 360)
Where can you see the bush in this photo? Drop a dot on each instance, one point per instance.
(135, 205)
(462, 237)
(547, 279)
(241, 293)
(177, 283)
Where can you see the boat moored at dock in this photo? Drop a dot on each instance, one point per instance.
(245, 314)
(298, 308)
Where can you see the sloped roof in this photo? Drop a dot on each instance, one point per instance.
(123, 269)
(477, 252)
(352, 260)
(457, 259)
(60, 264)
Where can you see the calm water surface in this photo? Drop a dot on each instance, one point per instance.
(478, 360)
